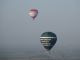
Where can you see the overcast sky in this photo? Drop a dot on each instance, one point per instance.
(18, 30)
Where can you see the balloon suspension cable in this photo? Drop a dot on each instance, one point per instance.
(48, 53)
(33, 18)
(42, 50)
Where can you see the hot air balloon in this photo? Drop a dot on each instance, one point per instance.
(33, 13)
(48, 40)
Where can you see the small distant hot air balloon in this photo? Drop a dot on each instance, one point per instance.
(48, 40)
(33, 13)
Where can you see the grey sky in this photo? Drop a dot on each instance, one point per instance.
(17, 30)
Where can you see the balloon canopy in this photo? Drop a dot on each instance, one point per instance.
(48, 40)
(33, 13)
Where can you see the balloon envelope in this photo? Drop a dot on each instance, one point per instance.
(48, 40)
(33, 13)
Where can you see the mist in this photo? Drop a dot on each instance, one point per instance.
(20, 35)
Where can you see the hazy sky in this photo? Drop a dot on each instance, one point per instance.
(18, 30)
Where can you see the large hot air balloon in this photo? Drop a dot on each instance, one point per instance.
(33, 13)
(48, 40)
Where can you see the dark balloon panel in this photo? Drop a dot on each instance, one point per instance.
(48, 40)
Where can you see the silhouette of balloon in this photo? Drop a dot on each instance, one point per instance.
(33, 13)
(48, 40)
